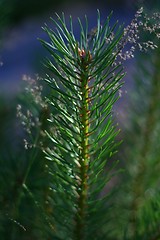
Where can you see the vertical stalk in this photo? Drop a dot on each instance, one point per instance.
(84, 159)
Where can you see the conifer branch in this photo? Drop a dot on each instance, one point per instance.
(85, 86)
(85, 77)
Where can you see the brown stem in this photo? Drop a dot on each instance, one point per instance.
(84, 158)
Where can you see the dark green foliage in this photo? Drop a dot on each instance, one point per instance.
(4, 14)
(147, 173)
(139, 194)
(23, 177)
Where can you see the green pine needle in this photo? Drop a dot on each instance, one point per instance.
(84, 81)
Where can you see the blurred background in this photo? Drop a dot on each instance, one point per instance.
(21, 22)
(21, 54)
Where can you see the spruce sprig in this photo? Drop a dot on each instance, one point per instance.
(84, 80)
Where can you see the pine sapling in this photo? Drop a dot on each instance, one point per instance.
(85, 77)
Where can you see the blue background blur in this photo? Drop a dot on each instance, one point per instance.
(21, 22)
